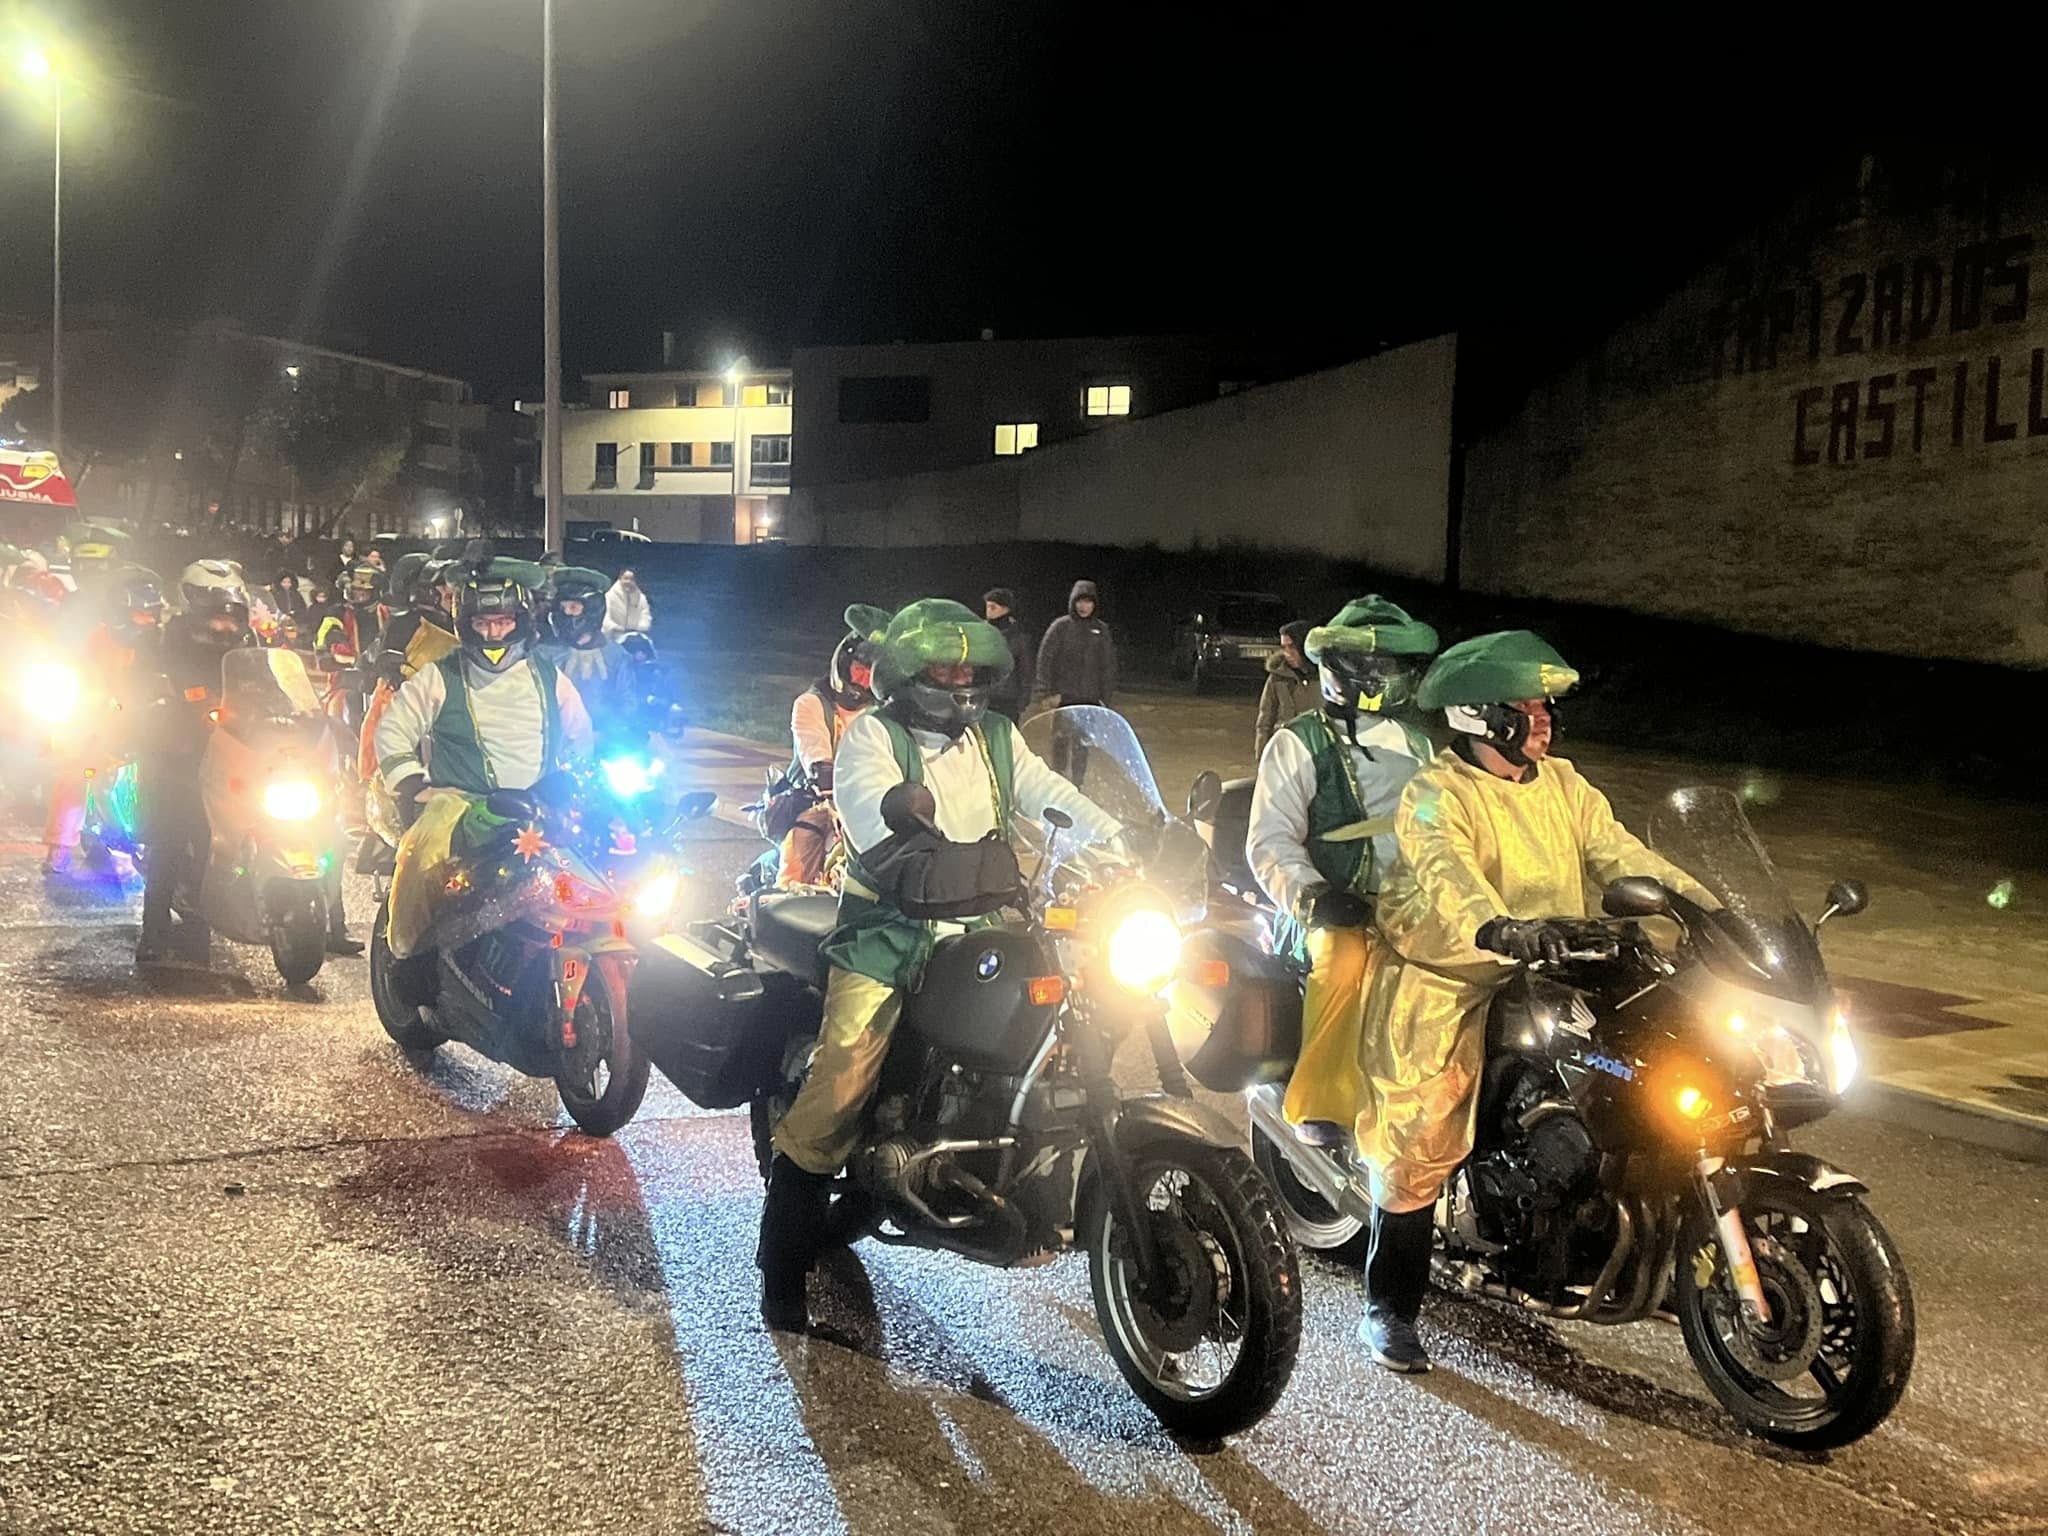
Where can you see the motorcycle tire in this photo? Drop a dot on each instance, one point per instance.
(1873, 1334)
(1310, 1220)
(602, 1007)
(393, 983)
(298, 942)
(1241, 1227)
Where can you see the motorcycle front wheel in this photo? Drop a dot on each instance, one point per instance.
(394, 986)
(1831, 1363)
(1210, 1346)
(298, 939)
(609, 1095)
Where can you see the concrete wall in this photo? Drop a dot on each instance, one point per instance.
(1352, 463)
(1838, 434)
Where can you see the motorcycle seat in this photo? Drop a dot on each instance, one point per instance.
(788, 931)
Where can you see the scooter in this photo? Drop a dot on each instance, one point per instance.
(270, 782)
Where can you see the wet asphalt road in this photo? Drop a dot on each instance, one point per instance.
(261, 1273)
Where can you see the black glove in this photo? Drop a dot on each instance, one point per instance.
(1527, 941)
(1329, 907)
(820, 775)
(406, 796)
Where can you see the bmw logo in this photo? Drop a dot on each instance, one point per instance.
(988, 964)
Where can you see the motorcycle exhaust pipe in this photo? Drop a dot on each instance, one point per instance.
(1315, 1168)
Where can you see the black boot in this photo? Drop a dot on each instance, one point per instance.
(792, 1216)
(1396, 1276)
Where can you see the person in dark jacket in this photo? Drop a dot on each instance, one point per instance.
(999, 606)
(1076, 665)
(1291, 686)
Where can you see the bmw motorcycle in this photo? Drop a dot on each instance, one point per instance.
(1631, 1158)
(270, 781)
(997, 1131)
(530, 955)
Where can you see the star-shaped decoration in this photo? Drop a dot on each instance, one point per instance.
(529, 843)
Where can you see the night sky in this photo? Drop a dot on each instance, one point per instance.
(762, 173)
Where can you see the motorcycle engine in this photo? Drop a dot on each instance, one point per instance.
(1541, 1160)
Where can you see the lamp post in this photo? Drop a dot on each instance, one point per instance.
(37, 66)
(553, 527)
(733, 375)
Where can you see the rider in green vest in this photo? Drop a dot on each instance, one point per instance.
(1321, 838)
(936, 664)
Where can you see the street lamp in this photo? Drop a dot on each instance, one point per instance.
(553, 527)
(35, 64)
(733, 375)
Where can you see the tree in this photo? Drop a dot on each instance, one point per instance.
(340, 443)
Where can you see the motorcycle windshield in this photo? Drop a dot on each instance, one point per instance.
(1100, 753)
(1757, 930)
(262, 683)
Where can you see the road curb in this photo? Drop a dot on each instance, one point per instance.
(1946, 1117)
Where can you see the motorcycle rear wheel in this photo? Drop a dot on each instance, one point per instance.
(401, 1018)
(1232, 1281)
(1339, 1238)
(1828, 1264)
(620, 1075)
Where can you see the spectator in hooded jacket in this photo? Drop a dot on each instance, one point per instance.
(1291, 686)
(999, 605)
(1076, 665)
(626, 609)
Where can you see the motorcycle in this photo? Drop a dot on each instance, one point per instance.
(270, 780)
(1630, 1158)
(997, 1131)
(530, 955)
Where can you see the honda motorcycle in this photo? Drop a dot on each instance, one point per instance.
(270, 781)
(997, 1131)
(530, 955)
(1631, 1158)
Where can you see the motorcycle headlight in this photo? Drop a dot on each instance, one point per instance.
(1843, 1061)
(50, 691)
(628, 777)
(291, 800)
(656, 897)
(1144, 950)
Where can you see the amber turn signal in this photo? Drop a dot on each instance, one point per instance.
(1210, 973)
(1044, 991)
(1063, 919)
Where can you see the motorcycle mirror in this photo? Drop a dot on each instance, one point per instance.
(909, 808)
(1057, 818)
(1636, 896)
(1846, 898)
(1204, 795)
(696, 805)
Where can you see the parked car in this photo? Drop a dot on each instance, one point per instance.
(610, 538)
(1230, 635)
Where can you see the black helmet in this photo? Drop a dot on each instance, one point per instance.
(850, 678)
(1377, 682)
(134, 601)
(490, 594)
(586, 590)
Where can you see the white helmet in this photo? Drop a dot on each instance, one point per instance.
(214, 586)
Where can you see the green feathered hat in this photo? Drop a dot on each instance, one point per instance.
(1371, 625)
(926, 632)
(1502, 668)
(577, 575)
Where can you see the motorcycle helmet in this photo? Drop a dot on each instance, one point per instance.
(490, 595)
(1480, 683)
(216, 602)
(365, 585)
(134, 603)
(1369, 658)
(936, 663)
(576, 606)
(850, 678)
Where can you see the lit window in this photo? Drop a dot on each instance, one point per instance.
(778, 394)
(1109, 400)
(621, 399)
(1014, 437)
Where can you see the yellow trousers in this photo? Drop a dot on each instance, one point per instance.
(422, 868)
(1422, 1053)
(1327, 1083)
(819, 1131)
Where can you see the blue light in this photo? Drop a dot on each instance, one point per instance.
(629, 777)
